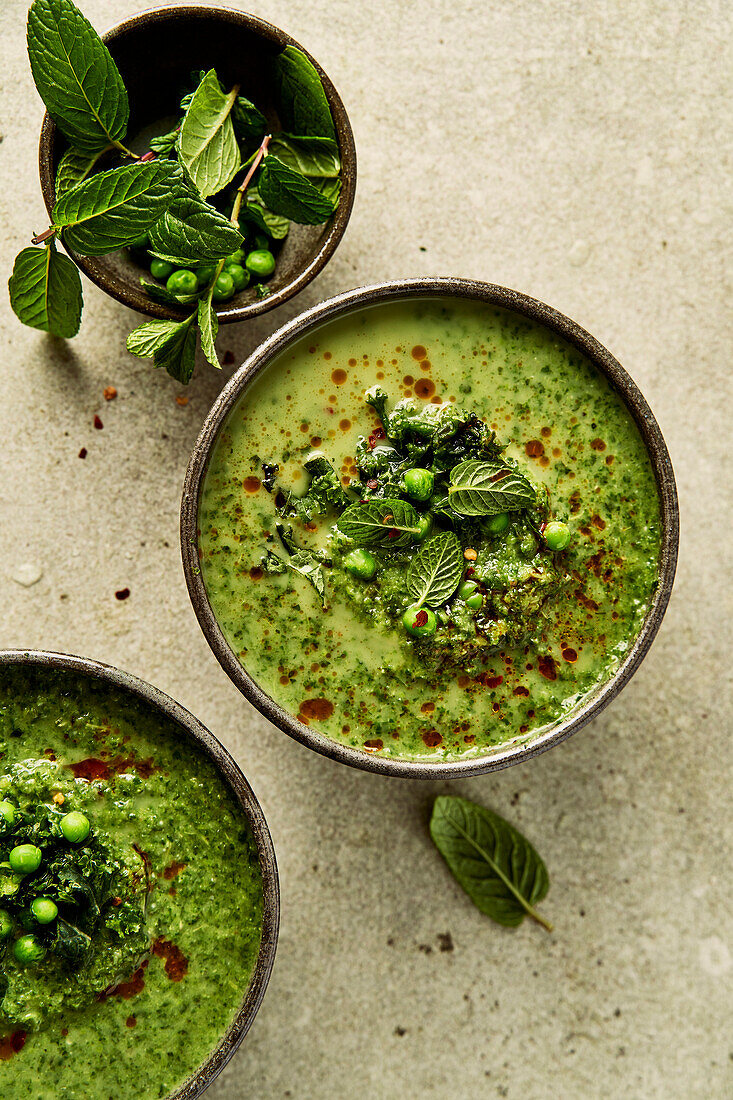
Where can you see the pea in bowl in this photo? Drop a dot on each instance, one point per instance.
(158, 53)
(430, 528)
(140, 903)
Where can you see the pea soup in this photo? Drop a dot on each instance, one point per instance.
(131, 899)
(428, 528)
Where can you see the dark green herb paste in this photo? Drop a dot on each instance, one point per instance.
(430, 528)
(158, 898)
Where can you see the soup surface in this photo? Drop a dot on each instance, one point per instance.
(340, 660)
(159, 907)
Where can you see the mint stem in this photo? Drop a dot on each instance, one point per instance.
(41, 237)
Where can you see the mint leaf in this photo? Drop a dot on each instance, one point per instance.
(250, 125)
(207, 145)
(208, 327)
(311, 156)
(112, 208)
(488, 488)
(170, 344)
(385, 522)
(288, 193)
(302, 104)
(45, 291)
(165, 144)
(435, 571)
(76, 76)
(329, 188)
(191, 230)
(254, 210)
(300, 561)
(500, 871)
(74, 166)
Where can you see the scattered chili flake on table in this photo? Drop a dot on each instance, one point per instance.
(98, 423)
(181, 400)
(110, 393)
(83, 453)
(228, 358)
(122, 593)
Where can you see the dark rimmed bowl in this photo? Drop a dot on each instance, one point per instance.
(234, 779)
(156, 52)
(432, 288)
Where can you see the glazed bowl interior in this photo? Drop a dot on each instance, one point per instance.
(158, 54)
(522, 746)
(190, 729)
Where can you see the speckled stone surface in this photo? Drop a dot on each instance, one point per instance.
(582, 154)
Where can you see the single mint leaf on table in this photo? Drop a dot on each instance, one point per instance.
(170, 344)
(311, 156)
(191, 230)
(208, 328)
(386, 522)
(435, 571)
(207, 144)
(45, 291)
(290, 194)
(74, 166)
(111, 209)
(254, 210)
(488, 488)
(497, 867)
(76, 76)
(302, 104)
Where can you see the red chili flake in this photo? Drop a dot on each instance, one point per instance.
(98, 423)
(131, 1021)
(372, 483)
(393, 533)
(182, 400)
(421, 618)
(116, 901)
(227, 358)
(176, 963)
(174, 868)
(546, 667)
(12, 1044)
(110, 393)
(122, 593)
(83, 453)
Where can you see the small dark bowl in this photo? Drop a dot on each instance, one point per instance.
(602, 360)
(190, 729)
(156, 52)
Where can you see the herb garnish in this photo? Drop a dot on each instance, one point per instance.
(178, 197)
(434, 573)
(497, 867)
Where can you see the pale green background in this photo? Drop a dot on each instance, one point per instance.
(582, 154)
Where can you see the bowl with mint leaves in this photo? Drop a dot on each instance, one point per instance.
(196, 164)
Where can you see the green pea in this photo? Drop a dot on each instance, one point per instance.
(205, 274)
(419, 621)
(236, 257)
(139, 242)
(260, 263)
(499, 523)
(424, 526)
(182, 282)
(75, 827)
(419, 483)
(475, 602)
(44, 910)
(467, 589)
(6, 924)
(556, 535)
(223, 287)
(28, 950)
(239, 275)
(361, 564)
(7, 813)
(24, 859)
(161, 269)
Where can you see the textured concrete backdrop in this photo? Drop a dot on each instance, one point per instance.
(582, 154)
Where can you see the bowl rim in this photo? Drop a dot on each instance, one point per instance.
(432, 287)
(235, 780)
(134, 297)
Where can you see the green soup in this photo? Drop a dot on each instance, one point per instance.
(346, 668)
(168, 879)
